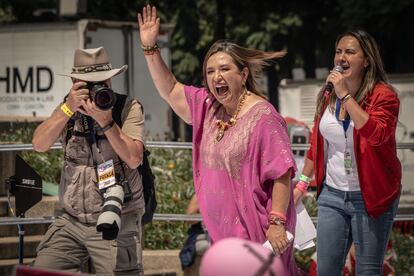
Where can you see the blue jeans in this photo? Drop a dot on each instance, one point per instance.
(342, 219)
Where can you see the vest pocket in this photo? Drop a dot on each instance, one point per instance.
(72, 188)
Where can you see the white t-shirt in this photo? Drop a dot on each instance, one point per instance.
(333, 132)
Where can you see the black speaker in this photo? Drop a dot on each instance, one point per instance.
(26, 186)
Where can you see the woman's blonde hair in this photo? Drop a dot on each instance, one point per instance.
(373, 74)
(254, 60)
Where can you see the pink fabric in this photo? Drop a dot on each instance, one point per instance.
(234, 178)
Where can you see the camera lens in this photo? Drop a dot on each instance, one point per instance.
(102, 95)
(109, 221)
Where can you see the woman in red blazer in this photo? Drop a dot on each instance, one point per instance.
(353, 155)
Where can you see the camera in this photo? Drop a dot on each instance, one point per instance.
(101, 95)
(109, 221)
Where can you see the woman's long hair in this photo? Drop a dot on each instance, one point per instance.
(254, 60)
(373, 74)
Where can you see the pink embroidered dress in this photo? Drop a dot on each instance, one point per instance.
(233, 178)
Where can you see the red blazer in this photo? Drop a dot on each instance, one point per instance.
(379, 169)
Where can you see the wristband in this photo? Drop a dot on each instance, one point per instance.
(66, 110)
(305, 179)
(108, 126)
(278, 215)
(302, 186)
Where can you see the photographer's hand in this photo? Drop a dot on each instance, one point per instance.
(77, 96)
(102, 117)
(129, 150)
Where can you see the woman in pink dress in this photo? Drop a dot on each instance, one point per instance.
(242, 159)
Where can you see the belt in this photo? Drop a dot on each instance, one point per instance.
(346, 195)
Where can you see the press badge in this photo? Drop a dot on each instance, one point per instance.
(106, 174)
(348, 162)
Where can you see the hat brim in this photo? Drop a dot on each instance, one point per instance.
(96, 76)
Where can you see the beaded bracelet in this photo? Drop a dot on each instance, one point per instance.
(276, 221)
(150, 50)
(66, 110)
(278, 214)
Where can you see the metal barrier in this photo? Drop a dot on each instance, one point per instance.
(150, 144)
(157, 216)
(166, 145)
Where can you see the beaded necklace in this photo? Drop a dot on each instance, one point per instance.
(223, 126)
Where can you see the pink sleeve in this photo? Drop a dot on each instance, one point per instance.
(275, 154)
(196, 99)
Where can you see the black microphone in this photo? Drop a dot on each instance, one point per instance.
(329, 86)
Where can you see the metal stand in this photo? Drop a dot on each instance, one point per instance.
(21, 243)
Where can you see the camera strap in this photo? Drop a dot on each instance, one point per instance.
(90, 135)
(89, 130)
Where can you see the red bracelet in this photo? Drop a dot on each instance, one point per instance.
(278, 215)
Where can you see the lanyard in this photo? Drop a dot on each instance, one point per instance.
(347, 121)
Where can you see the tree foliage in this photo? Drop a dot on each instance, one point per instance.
(306, 29)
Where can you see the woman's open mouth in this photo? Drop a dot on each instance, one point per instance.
(222, 89)
(345, 67)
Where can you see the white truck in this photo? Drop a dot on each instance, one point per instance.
(32, 54)
(297, 100)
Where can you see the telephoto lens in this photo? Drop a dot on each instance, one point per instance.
(109, 221)
(101, 94)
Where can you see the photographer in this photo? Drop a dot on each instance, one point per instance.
(99, 174)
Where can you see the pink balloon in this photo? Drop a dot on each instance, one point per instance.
(239, 257)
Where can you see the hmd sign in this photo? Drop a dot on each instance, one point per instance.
(33, 79)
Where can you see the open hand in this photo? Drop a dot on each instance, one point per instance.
(276, 234)
(149, 25)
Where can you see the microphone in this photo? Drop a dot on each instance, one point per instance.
(329, 86)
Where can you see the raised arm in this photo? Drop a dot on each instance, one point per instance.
(169, 88)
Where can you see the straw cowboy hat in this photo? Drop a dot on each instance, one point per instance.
(93, 65)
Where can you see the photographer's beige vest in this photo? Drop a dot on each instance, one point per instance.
(78, 191)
